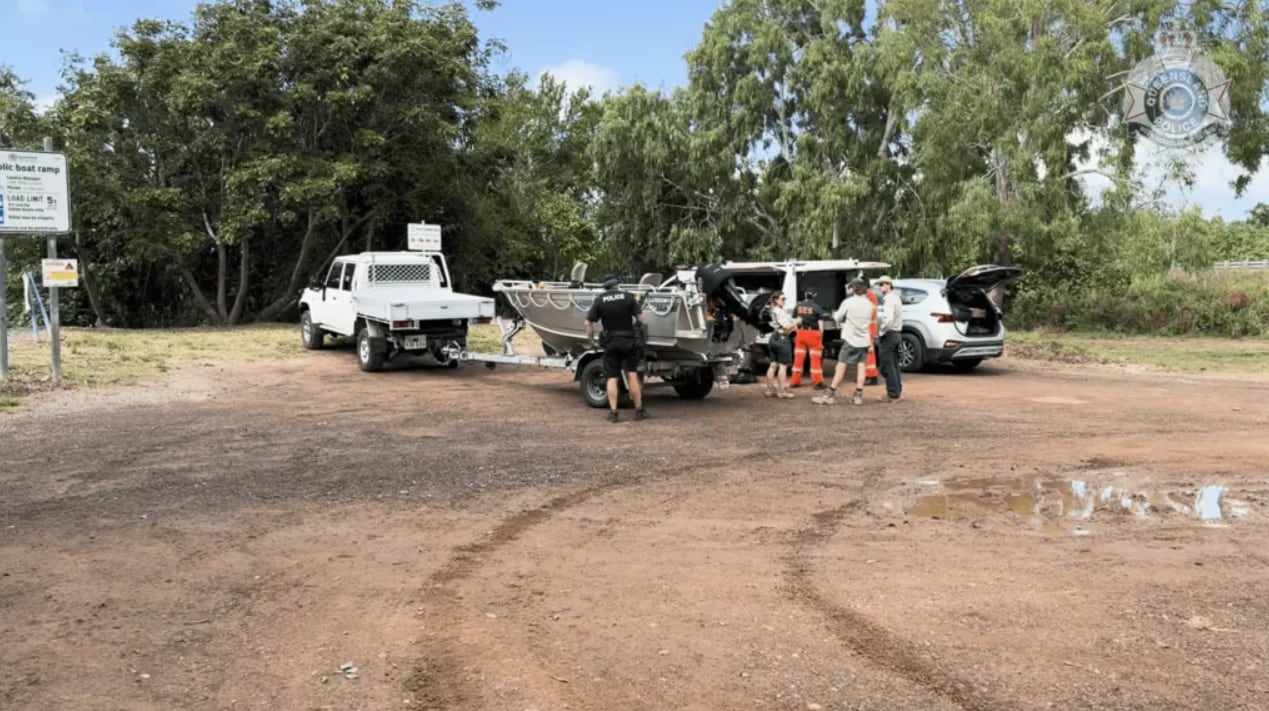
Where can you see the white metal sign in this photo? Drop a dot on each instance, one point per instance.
(34, 192)
(60, 272)
(422, 236)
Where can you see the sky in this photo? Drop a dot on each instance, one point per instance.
(604, 44)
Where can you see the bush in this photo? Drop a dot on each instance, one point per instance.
(1228, 304)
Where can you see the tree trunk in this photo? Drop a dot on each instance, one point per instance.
(90, 282)
(370, 238)
(244, 274)
(222, 266)
(836, 246)
(1004, 193)
(199, 299)
(289, 295)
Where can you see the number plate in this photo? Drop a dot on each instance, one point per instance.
(415, 343)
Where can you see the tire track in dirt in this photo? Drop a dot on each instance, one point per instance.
(861, 634)
(439, 681)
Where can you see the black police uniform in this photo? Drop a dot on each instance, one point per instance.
(617, 311)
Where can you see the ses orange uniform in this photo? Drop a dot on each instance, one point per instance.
(870, 371)
(809, 339)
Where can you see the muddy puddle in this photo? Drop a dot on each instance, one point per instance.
(1062, 507)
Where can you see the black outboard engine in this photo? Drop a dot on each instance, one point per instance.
(725, 300)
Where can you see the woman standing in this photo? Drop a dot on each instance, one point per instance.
(781, 346)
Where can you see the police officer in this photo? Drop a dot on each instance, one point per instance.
(622, 339)
(810, 339)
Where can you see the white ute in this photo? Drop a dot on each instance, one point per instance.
(393, 303)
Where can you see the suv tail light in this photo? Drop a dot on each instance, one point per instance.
(944, 318)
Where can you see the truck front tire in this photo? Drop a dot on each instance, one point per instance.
(310, 335)
(370, 351)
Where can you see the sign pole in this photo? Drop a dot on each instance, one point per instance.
(4, 313)
(54, 300)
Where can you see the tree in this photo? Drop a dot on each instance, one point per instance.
(274, 131)
(531, 146)
(788, 88)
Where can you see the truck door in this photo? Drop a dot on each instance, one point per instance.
(320, 309)
(343, 313)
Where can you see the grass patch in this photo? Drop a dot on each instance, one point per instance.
(101, 358)
(95, 358)
(1183, 355)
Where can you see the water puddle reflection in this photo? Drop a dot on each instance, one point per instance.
(1061, 507)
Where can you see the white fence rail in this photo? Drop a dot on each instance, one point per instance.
(1259, 264)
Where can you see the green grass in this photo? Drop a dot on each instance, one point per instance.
(1173, 354)
(103, 358)
(97, 358)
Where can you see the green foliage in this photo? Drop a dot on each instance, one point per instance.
(219, 164)
(1226, 304)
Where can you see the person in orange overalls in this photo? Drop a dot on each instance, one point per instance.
(870, 370)
(810, 339)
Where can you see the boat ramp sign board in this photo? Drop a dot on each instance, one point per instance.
(34, 192)
(60, 272)
(424, 237)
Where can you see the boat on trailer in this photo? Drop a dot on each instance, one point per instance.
(697, 326)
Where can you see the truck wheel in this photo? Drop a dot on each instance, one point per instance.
(370, 351)
(911, 355)
(594, 384)
(310, 335)
(695, 389)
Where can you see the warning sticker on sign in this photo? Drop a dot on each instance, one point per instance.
(60, 272)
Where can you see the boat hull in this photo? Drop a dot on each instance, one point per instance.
(677, 322)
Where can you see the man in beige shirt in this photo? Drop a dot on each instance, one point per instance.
(855, 315)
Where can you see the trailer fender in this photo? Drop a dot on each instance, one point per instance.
(581, 363)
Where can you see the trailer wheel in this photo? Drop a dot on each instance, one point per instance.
(695, 389)
(370, 351)
(594, 384)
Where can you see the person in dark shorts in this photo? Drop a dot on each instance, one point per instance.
(781, 346)
(855, 315)
(622, 318)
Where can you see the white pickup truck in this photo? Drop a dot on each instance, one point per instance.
(393, 303)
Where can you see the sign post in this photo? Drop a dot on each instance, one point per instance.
(34, 198)
(4, 310)
(424, 237)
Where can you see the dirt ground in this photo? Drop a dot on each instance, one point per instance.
(1027, 536)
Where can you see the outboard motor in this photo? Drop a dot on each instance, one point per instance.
(720, 288)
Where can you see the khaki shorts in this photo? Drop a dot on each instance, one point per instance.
(851, 354)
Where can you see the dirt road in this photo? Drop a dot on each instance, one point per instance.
(1022, 537)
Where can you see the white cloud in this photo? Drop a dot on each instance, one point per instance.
(576, 74)
(32, 8)
(1213, 174)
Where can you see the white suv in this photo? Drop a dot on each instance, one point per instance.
(952, 321)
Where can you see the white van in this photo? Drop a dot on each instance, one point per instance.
(828, 277)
